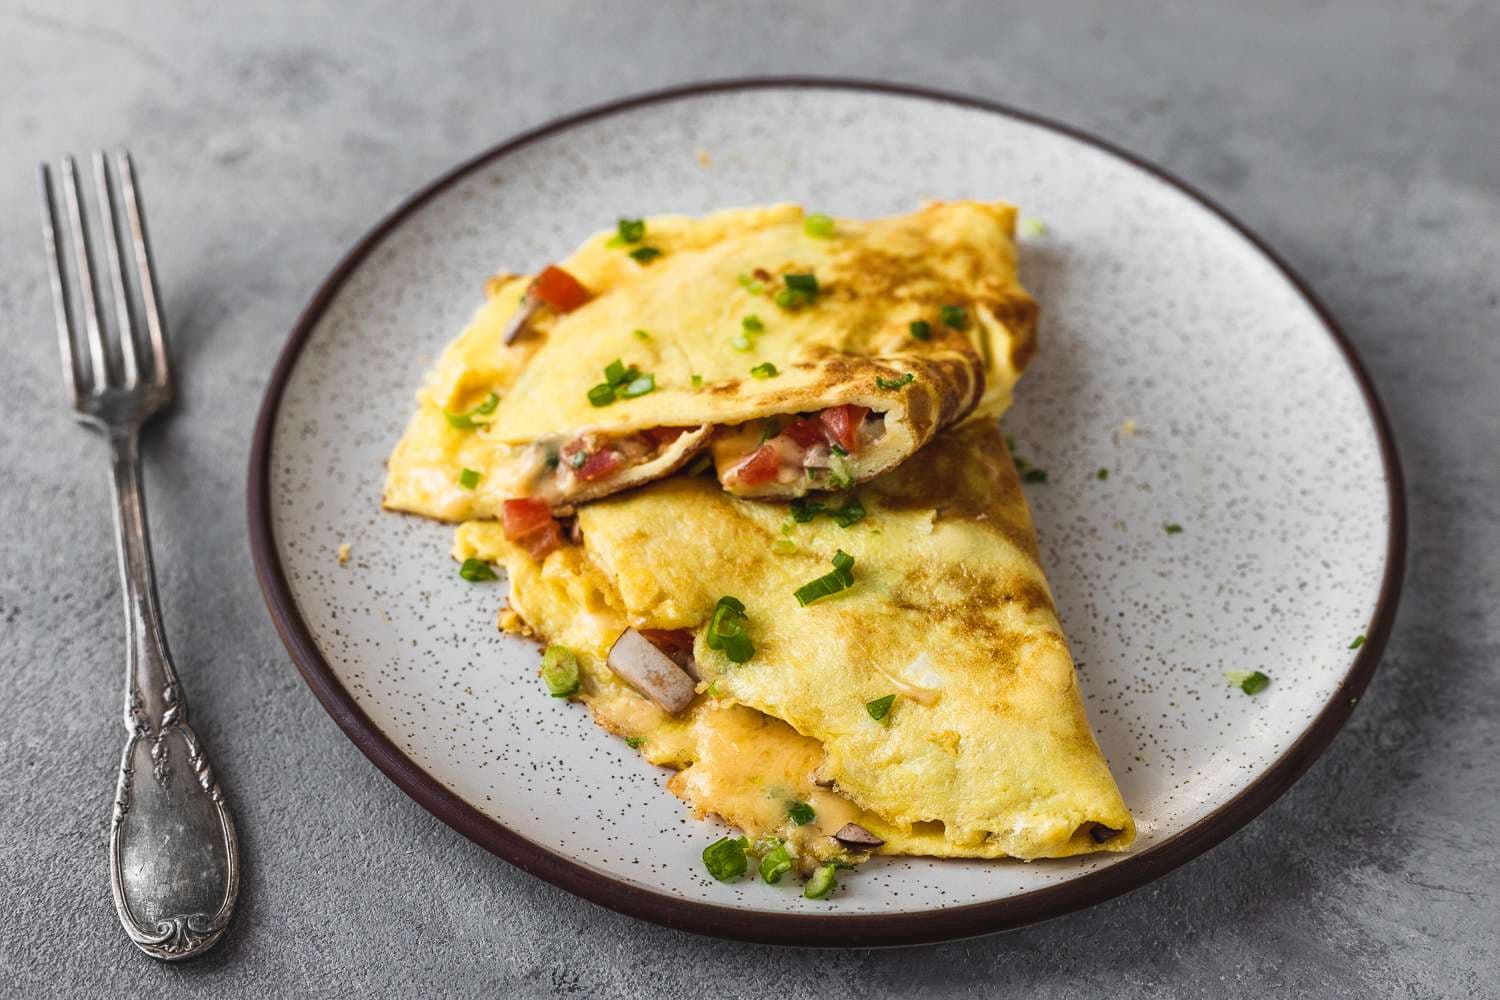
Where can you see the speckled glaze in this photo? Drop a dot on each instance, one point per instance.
(1174, 354)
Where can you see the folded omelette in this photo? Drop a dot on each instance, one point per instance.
(802, 353)
(926, 694)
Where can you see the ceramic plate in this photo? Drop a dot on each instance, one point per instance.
(1176, 352)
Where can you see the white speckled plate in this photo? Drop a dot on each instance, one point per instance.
(1176, 352)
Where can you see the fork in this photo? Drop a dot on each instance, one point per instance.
(173, 854)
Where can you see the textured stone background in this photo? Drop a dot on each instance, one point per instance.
(1363, 140)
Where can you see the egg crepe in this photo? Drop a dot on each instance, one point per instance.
(806, 362)
(984, 751)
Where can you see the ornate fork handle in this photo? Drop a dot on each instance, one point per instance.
(173, 853)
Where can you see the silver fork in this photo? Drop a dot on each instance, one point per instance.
(173, 855)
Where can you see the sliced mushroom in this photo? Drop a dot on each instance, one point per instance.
(522, 316)
(1102, 833)
(651, 672)
(854, 835)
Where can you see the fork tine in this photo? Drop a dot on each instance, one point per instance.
(141, 245)
(109, 217)
(55, 267)
(99, 363)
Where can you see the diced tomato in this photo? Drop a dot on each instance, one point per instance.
(664, 435)
(842, 424)
(547, 539)
(761, 467)
(524, 516)
(806, 431)
(559, 289)
(677, 643)
(600, 464)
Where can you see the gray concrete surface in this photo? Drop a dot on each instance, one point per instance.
(1363, 140)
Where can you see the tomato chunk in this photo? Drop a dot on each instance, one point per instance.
(524, 516)
(548, 538)
(806, 431)
(761, 467)
(842, 424)
(600, 464)
(559, 289)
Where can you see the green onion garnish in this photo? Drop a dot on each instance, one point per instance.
(1102, 474)
(1172, 529)
(842, 578)
(639, 386)
(839, 475)
(1359, 641)
(642, 335)
(468, 479)
(725, 858)
(921, 329)
(465, 421)
(880, 707)
(615, 372)
(630, 230)
(1039, 476)
(776, 862)
(804, 283)
(763, 370)
(560, 671)
(895, 383)
(602, 394)
(644, 255)
(1253, 682)
(727, 632)
(953, 316)
(818, 226)
(751, 285)
(801, 813)
(804, 510)
(821, 883)
(634, 742)
(752, 324)
(577, 459)
(476, 571)
(697, 381)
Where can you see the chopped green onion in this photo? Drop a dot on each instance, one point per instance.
(634, 742)
(639, 387)
(784, 547)
(953, 316)
(804, 283)
(576, 460)
(801, 813)
(921, 329)
(644, 255)
(821, 883)
(468, 479)
(1172, 529)
(895, 383)
(804, 510)
(642, 335)
(751, 285)
(763, 370)
(842, 578)
(1037, 476)
(1254, 682)
(726, 630)
(838, 450)
(752, 324)
(465, 421)
(776, 862)
(1033, 227)
(697, 381)
(615, 372)
(880, 707)
(476, 571)
(630, 230)
(818, 226)
(1010, 443)
(1102, 474)
(560, 671)
(839, 475)
(1359, 641)
(602, 394)
(725, 858)
(791, 299)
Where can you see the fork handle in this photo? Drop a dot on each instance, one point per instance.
(173, 853)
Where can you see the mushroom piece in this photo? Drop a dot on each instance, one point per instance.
(1102, 833)
(651, 672)
(854, 835)
(522, 316)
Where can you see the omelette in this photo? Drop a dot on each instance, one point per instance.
(795, 353)
(881, 671)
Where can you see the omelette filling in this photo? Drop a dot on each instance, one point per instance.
(809, 451)
(592, 459)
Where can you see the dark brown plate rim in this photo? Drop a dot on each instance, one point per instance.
(834, 929)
